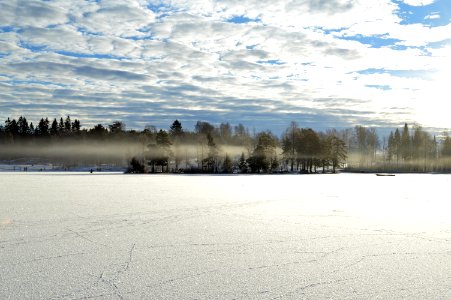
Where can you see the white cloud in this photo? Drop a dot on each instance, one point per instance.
(433, 16)
(117, 18)
(30, 13)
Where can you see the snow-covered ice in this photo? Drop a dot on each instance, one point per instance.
(115, 236)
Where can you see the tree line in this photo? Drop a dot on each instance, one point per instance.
(21, 128)
(205, 149)
(234, 149)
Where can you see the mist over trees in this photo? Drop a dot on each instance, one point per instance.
(223, 148)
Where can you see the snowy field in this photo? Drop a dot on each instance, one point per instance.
(114, 236)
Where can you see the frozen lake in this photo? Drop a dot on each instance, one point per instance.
(114, 236)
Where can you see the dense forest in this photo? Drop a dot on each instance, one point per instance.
(222, 149)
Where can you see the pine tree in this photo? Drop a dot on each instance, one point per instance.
(405, 143)
(176, 128)
(76, 126)
(211, 160)
(446, 149)
(160, 152)
(397, 144)
(391, 146)
(54, 128)
(242, 163)
(227, 164)
(176, 132)
(43, 127)
(68, 126)
(61, 126)
(24, 128)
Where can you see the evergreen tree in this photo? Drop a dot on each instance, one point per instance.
(405, 143)
(162, 139)
(12, 127)
(24, 128)
(7, 127)
(158, 154)
(397, 144)
(242, 164)
(434, 148)
(43, 127)
(176, 132)
(54, 128)
(68, 125)
(176, 128)
(98, 131)
(76, 126)
(117, 127)
(391, 147)
(446, 148)
(418, 143)
(227, 166)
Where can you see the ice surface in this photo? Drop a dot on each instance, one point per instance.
(114, 236)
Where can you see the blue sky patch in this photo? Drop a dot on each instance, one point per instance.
(397, 73)
(161, 9)
(86, 55)
(251, 47)
(374, 41)
(32, 47)
(440, 44)
(242, 20)
(87, 32)
(33, 81)
(271, 62)
(435, 14)
(6, 29)
(158, 8)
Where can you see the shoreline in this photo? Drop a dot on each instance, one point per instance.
(122, 171)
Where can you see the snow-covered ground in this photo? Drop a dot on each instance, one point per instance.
(29, 167)
(114, 236)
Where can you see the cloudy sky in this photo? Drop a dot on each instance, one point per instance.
(322, 63)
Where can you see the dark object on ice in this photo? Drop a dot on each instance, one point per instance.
(381, 174)
(91, 171)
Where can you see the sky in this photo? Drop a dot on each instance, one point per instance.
(322, 63)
